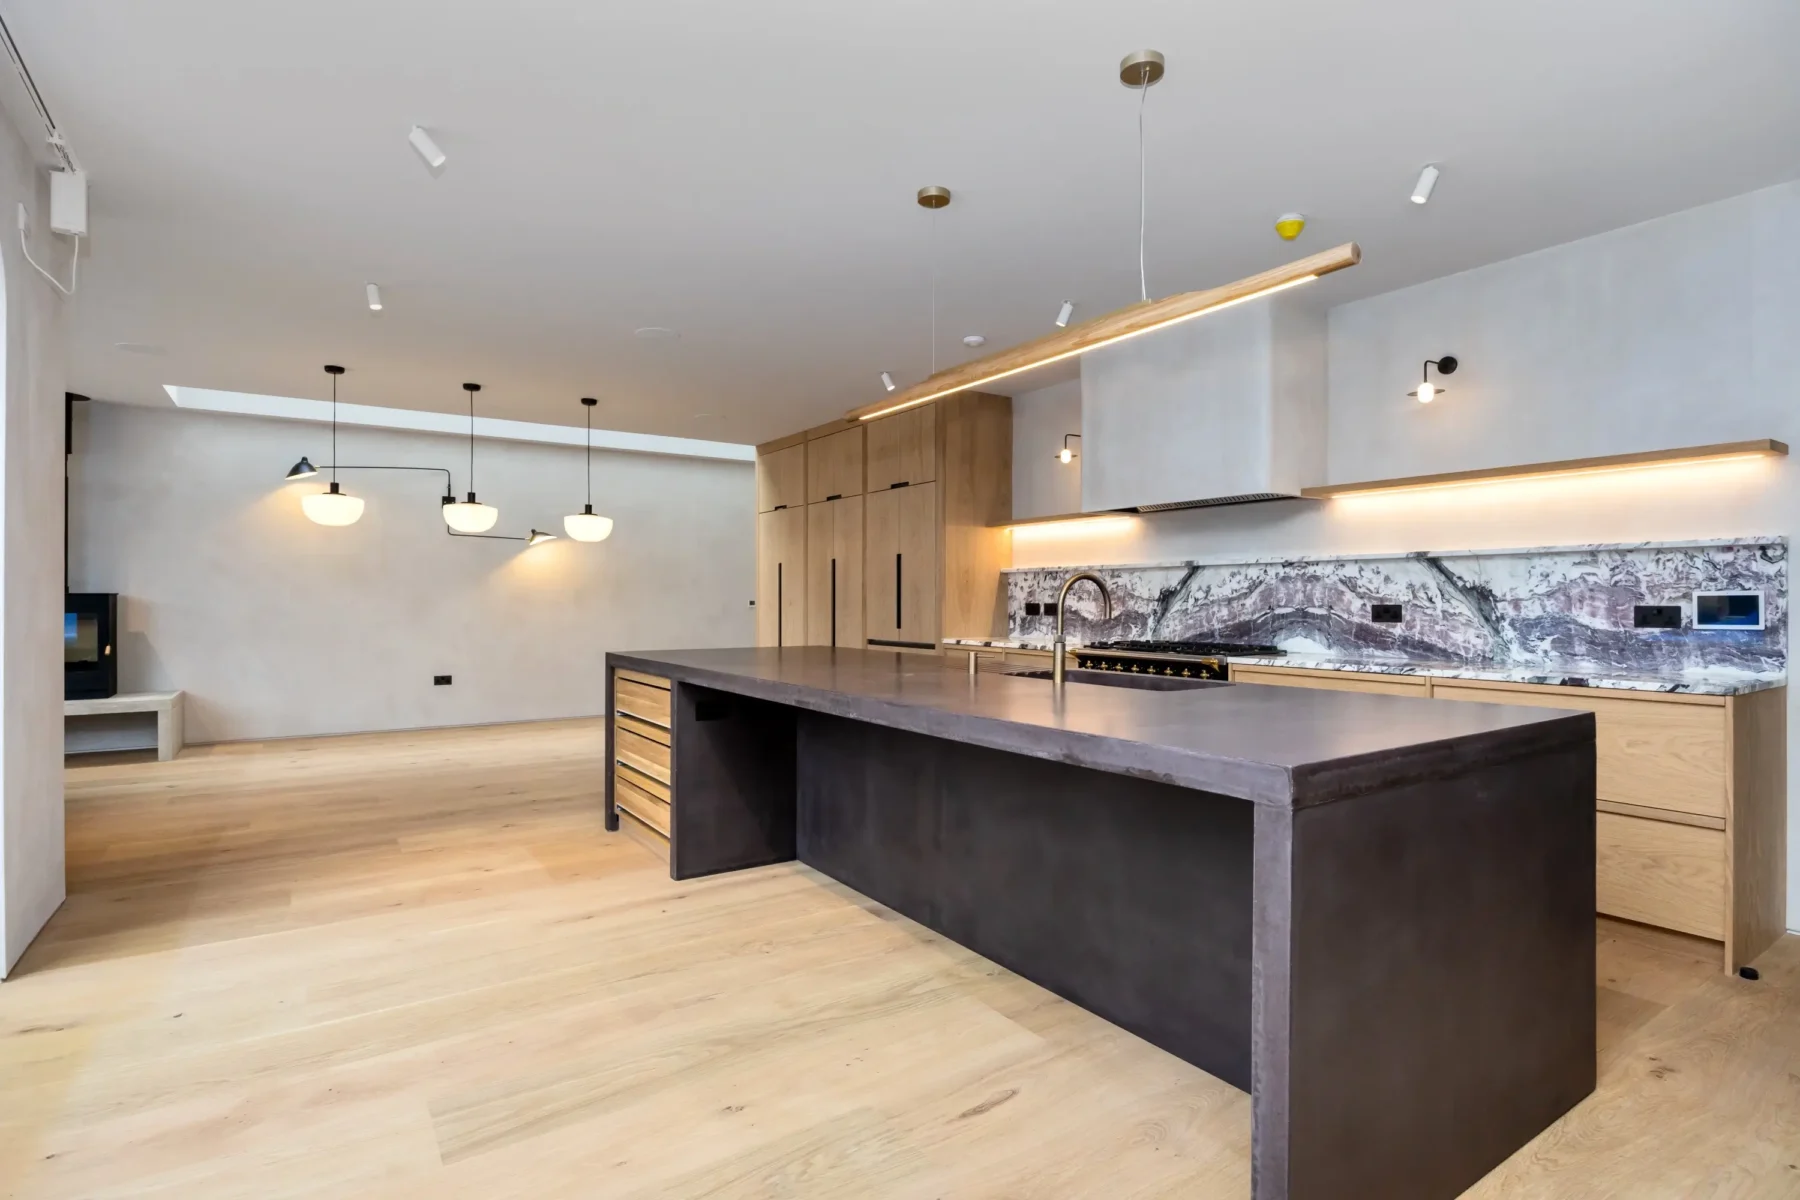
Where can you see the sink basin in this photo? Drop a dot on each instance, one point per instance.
(1143, 683)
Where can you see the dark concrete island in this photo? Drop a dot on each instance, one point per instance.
(1374, 913)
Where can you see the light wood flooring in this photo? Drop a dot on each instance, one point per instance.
(415, 966)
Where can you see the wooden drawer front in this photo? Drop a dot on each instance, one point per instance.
(643, 702)
(651, 810)
(644, 729)
(641, 754)
(1333, 681)
(1662, 873)
(1653, 753)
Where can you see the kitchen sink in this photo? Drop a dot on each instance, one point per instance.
(1143, 683)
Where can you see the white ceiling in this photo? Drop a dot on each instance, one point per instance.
(744, 173)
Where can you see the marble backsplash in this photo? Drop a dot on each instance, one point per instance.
(1561, 607)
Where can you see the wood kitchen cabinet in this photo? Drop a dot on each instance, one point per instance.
(902, 567)
(641, 774)
(781, 577)
(834, 466)
(781, 478)
(903, 448)
(834, 572)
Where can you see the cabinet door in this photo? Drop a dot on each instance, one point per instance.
(834, 572)
(901, 577)
(1333, 681)
(834, 466)
(903, 448)
(781, 577)
(781, 479)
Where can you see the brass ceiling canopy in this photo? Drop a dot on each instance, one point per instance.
(934, 197)
(1141, 69)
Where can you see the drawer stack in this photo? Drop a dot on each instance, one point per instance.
(643, 745)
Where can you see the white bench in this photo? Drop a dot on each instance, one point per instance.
(119, 723)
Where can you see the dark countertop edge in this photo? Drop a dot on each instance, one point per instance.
(1259, 783)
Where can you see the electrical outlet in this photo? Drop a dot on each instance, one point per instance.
(1386, 614)
(1656, 616)
(1033, 609)
(440, 681)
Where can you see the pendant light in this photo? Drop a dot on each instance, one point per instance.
(330, 507)
(587, 525)
(470, 515)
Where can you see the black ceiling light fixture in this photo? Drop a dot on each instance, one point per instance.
(330, 507)
(587, 525)
(302, 470)
(1428, 391)
(470, 515)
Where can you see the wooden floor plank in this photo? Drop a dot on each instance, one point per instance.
(415, 964)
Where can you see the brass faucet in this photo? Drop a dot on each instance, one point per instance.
(1061, 646)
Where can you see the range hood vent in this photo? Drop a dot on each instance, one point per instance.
(1247, 498)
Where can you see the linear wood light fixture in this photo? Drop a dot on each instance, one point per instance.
(1127, 322)
(1717, 452)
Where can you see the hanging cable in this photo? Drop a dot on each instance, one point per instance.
(933, 252)
(1143, 278)
(588, 412)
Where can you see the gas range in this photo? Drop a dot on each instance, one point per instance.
(1187, 660)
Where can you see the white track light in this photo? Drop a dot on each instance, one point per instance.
(428, 149)
(887, 381)
(374, 298)
(1064, 313)
(1427, 180)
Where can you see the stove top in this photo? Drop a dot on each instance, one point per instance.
(1192, 649)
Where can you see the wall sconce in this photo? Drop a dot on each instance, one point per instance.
(1066, 455)
(1428, 391)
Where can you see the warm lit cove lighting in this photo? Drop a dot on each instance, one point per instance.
(1060, 528)
(1114, 327)
(1606, 465)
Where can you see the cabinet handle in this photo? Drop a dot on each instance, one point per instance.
(834, 602)
(897, 566)
(902, 483)
(779, 606)
(778, 508)
(835, 496)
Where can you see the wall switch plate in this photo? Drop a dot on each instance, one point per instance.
(1656, 616)
(440, 681)
(1033, 609)
(1386, 614)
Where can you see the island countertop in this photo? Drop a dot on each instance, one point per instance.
(1283, 747)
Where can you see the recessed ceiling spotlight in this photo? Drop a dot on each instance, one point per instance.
(1427, 180)
(1289, 225)
(141, 348)
(974, 339)
(887, 381)
(1064, 313)
(655, 333)
(427, 149)
(374, 298)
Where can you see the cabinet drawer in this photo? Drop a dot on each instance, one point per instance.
(651, 810)
(1652, 753)
(1661, 873)
(1333, 681)
(641, 754)
(645, 703)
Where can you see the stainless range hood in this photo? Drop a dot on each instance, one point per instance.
(1227, 410)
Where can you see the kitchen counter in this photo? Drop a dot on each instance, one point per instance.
(1374, 913)
(1596, 675)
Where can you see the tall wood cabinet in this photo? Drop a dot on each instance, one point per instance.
(901, 542)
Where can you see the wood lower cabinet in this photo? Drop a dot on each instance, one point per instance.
(642, 758)
(834, 572)
(781, 577)
(901, 572)
(1690, 793)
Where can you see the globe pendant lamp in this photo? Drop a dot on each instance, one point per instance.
(587, 525)
(470, 515)
(330, 507)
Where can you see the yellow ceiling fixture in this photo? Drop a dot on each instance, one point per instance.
(1289, 225)
(1129, 322)
(330, 507)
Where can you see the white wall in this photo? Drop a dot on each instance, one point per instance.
(31, 783)
(276, 627)
(1042, 485)
(1680, 331)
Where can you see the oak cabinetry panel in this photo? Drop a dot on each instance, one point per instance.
(1661, 873)
(834, 466)
(637, 801)
(903, 448)
(781, 577)
(641, 754)
(781, 479)
(1654, 753)
(642, 769)
(834, 572)
(1333, 681)
(645, 702)
(901, 566)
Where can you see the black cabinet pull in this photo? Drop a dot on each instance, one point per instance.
(897, 567)
(834, 602)
(778, 508)
(779, 606)
(835, 496)
(902, 483)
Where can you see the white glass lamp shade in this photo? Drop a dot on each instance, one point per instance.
(470, 516)
(587, 526)
(332, 507)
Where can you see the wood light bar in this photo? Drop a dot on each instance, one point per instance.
(1113, 327)
(1757, 448)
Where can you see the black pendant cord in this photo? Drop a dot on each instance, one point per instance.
(334, 430)
(587, 411)
(471, 443)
